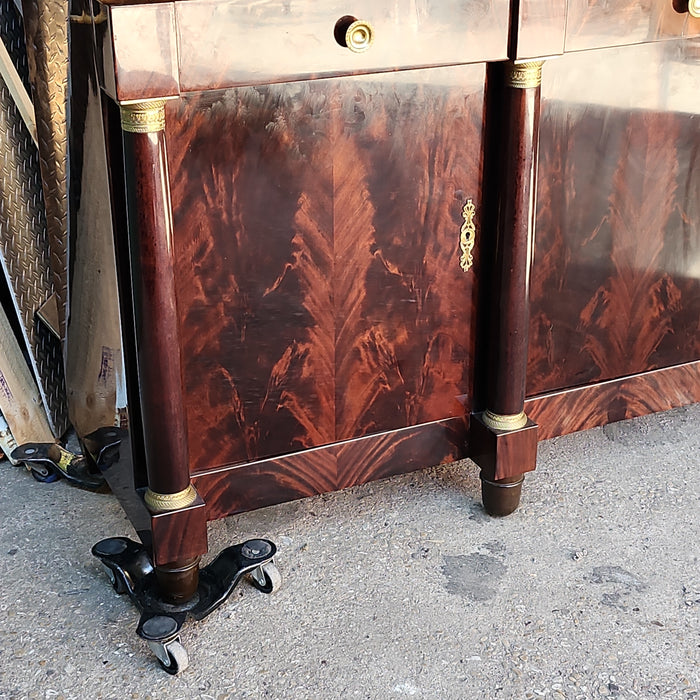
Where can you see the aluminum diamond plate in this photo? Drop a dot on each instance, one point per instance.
(24, 246)
(46, 31)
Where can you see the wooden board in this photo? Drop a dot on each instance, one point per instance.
(20, 402)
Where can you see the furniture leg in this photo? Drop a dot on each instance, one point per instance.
(159, 367)
(504, 442)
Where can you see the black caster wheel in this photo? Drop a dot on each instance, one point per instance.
(44, 475)
(266, 578)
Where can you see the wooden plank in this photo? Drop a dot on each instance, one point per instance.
(7, 440)
(94, 365)
(20, 402)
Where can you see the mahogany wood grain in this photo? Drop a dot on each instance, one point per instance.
(615, 290)
(133, 464)
(503, 454)
(141, 52)
(587, 407)
(538, 28)
(157, 341)
(179, 535)
(331, 467)
(167, 48)
(246, 42)
(317, 258)
(592, 25)
(509, 291)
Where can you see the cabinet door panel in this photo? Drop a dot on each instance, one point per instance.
(616, 288)
(317, 230)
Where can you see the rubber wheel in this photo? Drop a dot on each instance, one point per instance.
(45, 479)
(272, 576)
(178, 660)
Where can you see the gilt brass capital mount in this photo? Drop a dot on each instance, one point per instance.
(143, 117)
(164, 502)
(524, 75)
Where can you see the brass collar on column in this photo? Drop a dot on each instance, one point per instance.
(524, 75)
(143, 117)
(498, 421)
(162, 502)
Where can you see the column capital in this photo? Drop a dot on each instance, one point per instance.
(143, 117)
(524, 75)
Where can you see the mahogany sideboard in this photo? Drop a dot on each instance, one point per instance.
(351, 240)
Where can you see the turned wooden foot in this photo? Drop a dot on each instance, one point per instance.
(501, 497)
(178, 581)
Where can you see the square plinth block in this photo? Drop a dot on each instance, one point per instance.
(503, 453)
(179, 534)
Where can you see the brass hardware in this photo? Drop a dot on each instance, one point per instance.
(143, 117)
(498, 421)
(524, 75)
(694, 8)
(359, 36)
(467, 236)
(161, 502)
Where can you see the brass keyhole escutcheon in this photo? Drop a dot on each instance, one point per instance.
(467, 236)
(354, 34)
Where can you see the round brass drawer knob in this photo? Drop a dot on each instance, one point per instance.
(359, 36)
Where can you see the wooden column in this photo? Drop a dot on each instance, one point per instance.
(504, 441)
(170, 490)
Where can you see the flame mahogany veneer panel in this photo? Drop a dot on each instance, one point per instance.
(317, 244)
(599, 404)
(330, 468)
(615, 287)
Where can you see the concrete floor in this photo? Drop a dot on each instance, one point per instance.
(401, 588)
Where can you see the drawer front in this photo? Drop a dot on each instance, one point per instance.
(591, 25)
(551, 27)
(239, 42)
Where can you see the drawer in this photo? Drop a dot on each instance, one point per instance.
(592, 24)
(551, 27)
(242, 42)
